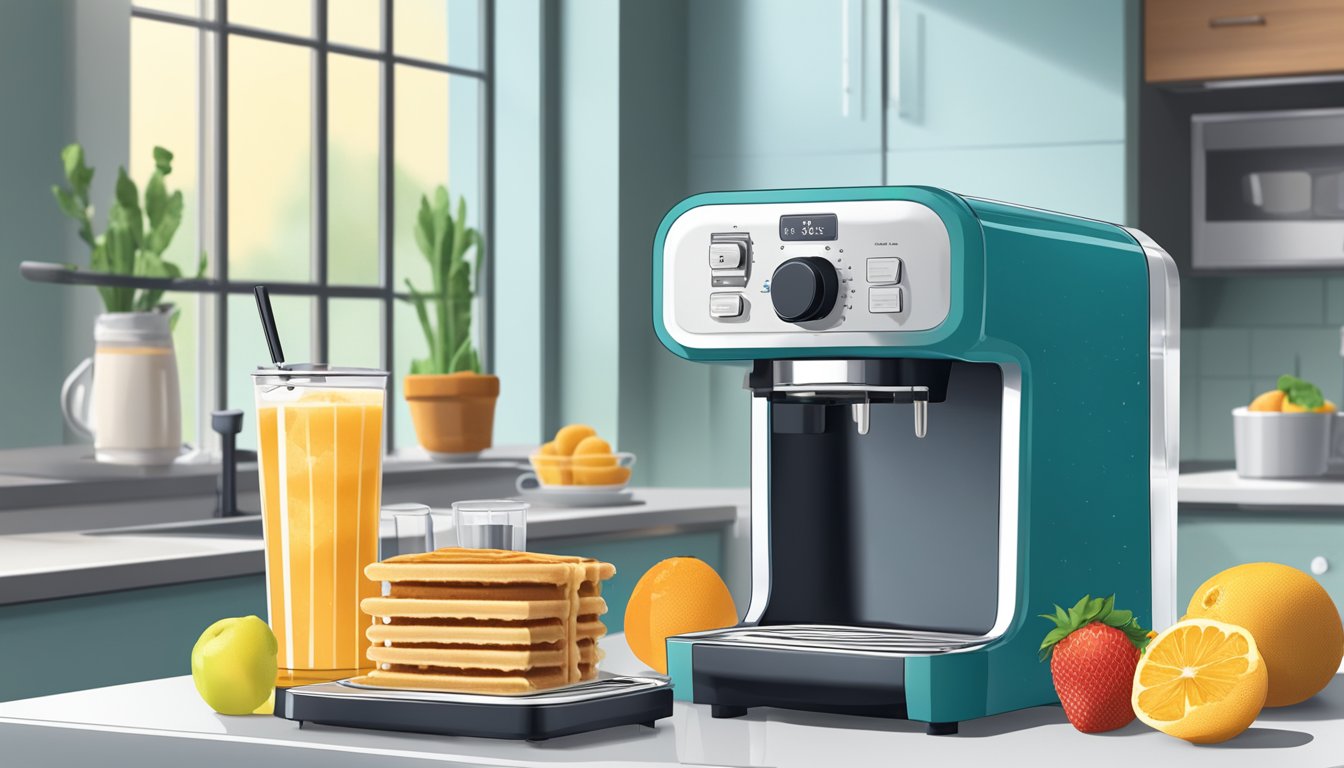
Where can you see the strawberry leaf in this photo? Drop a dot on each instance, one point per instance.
(1087, 611)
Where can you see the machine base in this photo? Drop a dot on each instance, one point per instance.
(602, 703)
(800, 668)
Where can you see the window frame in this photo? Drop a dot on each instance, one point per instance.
(215, 31)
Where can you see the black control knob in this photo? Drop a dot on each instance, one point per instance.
(804, 289)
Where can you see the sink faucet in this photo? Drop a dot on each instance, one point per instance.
(228, 424)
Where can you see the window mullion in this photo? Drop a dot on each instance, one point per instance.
(386, 216)
(321, 306)
(221, 152)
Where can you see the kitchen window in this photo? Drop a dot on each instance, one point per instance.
(304, 134)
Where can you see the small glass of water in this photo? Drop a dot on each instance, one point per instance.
(414, 529)
(491, 524)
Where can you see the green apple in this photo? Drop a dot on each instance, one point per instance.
(233, 665)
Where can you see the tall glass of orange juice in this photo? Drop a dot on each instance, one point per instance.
(320, 460)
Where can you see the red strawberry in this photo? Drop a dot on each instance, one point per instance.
(1095, 650)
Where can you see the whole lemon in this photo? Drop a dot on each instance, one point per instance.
(1292, 618)
(676, 596)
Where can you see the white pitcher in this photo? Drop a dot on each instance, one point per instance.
(133, 408)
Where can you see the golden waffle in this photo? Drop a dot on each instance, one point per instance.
(486, 621)
(458, 565)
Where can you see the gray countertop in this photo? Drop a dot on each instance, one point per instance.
(41, 566)
(164, 723)
(1223, 487)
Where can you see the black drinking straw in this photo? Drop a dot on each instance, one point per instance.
(268, 325)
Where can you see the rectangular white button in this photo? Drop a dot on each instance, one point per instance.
(725, 304)
(885, 298)
(886, 270)
(725, 255)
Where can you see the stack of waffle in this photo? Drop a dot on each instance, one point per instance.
(485, 621)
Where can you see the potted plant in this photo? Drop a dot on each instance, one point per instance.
(131, 245)
(126, 396)
(452, 402)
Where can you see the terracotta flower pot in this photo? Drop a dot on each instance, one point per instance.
(453, 412)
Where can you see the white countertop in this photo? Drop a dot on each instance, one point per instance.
(1225, 487)
(164, 723)
(38, 566)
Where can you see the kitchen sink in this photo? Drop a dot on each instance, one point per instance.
(244, 527)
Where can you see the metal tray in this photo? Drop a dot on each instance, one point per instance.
(602, 703)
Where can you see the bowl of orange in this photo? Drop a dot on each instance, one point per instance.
(1285, 432)
(577, 457)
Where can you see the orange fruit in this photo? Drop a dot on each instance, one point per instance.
(1200, 680)
(1272, 401)
(592, 445)
(585, 475)
(569, 437)
(594, 452)
(676, 596)
(1289, 407)
(1291, 616)
(1327, 407)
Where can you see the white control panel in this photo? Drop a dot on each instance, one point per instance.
(761, 275)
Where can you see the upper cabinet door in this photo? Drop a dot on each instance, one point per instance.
(1210, 39)
(779, 78)
(981, 73)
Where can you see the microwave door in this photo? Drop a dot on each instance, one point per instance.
(1278, 193)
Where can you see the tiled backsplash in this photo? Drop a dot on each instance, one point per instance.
(1239, 334)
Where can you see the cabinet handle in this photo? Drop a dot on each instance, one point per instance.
(844, 58)
(905, 75)
(1319, 565)
(1256, 20)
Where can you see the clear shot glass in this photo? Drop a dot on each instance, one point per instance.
(413, 528)
(491, 524)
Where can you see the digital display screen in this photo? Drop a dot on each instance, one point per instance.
(808, 226)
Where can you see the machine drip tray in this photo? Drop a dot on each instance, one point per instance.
(843, 639)
(609, 701)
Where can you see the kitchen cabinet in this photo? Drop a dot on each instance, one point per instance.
(1081, 179)
(1195, 40)
(1211, 539)
(1023, 102)
(967, 73)
(784, 79)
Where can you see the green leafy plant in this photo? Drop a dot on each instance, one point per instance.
(445, 240)
(1303, 393)
(136, 236)
(1086, 611)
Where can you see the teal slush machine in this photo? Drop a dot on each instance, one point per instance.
(962, 413)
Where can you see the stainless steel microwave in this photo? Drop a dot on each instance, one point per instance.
(1268, 189)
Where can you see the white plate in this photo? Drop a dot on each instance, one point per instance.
(530, 490)
(454, 457)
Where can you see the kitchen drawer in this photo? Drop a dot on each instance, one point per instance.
(1210, 39)
(1211, 540)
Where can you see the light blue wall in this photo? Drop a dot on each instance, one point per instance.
(589, 204)
(64, 72)
(520, 250)
(35, 76)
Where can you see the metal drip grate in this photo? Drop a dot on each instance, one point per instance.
(839, 638)
(604, 685)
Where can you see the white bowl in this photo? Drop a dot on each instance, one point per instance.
(1281, 444)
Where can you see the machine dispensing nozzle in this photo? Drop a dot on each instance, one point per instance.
(860, 413)
(857, 384)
